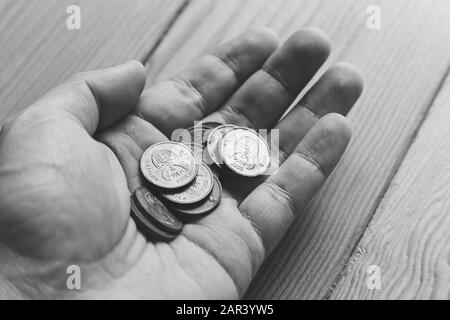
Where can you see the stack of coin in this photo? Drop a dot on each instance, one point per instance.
(152, 217)
(183, 175)
(228, 148)
(238, 150)
(181, 188)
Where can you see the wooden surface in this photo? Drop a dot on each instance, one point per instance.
(38, 51)
(409, 235)
(379, 207)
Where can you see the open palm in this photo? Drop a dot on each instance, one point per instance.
(69, 162)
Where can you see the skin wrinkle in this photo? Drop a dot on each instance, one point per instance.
(283, 154)
(27, 286)
(100, 263)
(93, 90)
(215, 259)
(199, 287)
(306, 105)
(74, 90)
(255, 228)
(229, 63)
(32, 218)
(278, 77)
(230, 113)
(201, 104)
(309, 157)
(72, 259)
(277, 190)
(251, 256)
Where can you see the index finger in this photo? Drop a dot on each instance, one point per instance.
(208, 83)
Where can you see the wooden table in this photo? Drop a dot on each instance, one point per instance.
(385, 208)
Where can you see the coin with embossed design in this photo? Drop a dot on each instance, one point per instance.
(196, 134)
(213, 141)
(195, 192)
(150, 231)
(169, 165)
(199, 151)
(205, 206)
(244, 152)
(156, 211)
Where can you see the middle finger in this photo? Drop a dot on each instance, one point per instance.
(265, 96)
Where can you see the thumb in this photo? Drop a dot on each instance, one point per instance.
(97, 99)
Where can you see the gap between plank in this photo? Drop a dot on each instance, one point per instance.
(166, 30)
(388, 183)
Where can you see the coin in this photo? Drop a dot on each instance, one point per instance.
(195, 192)
(169, 165)
(199, 151)
(189, 135)
(213, 140)
(196, 134)
(205, 206)
(155, 211)
(202, 155)
(210, 126)
(150, 231)
(245, 152)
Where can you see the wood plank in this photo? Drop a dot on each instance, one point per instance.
(38, 51)
(409, 236)
(403, 65)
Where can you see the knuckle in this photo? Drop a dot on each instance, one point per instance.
(281, 196)
(233, 114)
(189, 88)
(309, 156)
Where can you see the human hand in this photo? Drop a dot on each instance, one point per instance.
(69, 162)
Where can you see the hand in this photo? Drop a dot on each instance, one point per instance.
(69, 162)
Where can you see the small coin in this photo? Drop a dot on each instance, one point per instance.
(199, 151)
(213, 141)
(196, 134)
(169, 165)
(198, 190)
(150, 231)
(205, 206)
(245, 152)
(155, 211)
(189, 135)
(212, 125)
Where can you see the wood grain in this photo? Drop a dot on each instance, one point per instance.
(403, 65)
(409, 236)
(38, 51)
